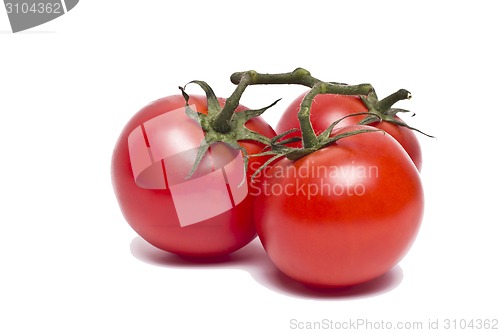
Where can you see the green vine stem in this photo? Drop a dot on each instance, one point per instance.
(309, 138)
(387, 102)
(379, 110)
(221, 123)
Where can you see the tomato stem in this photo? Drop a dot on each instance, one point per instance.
(298, 76)
(309, 138)
(222, 122)
(387, 102)
(302, 77)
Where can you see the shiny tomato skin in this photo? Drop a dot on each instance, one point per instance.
(342, 215)
(406, 137)
(151, 212)
(327, 108)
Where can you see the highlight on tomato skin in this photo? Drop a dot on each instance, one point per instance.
(342, 215)
(208, 215)
(327, 108)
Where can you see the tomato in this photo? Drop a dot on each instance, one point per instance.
(209, 214)
(342, 215)
(327, 108)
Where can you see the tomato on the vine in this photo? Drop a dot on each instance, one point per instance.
(341, 209)
(327, 108)
(208, 214)
(342, 215)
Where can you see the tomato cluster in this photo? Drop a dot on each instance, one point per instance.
(331, 215)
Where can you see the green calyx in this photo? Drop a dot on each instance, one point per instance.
(382, 110)
(231, 134)
(279, 148)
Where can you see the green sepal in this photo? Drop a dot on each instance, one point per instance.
(290, 140)
(350, 133)
(326, 133)
(243, 116)
(213, 104)
(202, 150)
(403, 124)
(188, 110)
(277, 139)
(266, 164)
(299, 153)
(394, 111)
(370, 119)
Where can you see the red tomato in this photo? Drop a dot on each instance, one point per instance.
(206, 215)
(342, 215)
(327, 108)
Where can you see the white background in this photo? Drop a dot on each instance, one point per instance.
(70, 263)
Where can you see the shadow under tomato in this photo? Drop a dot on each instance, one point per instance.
(253, 259)
(380, 285)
